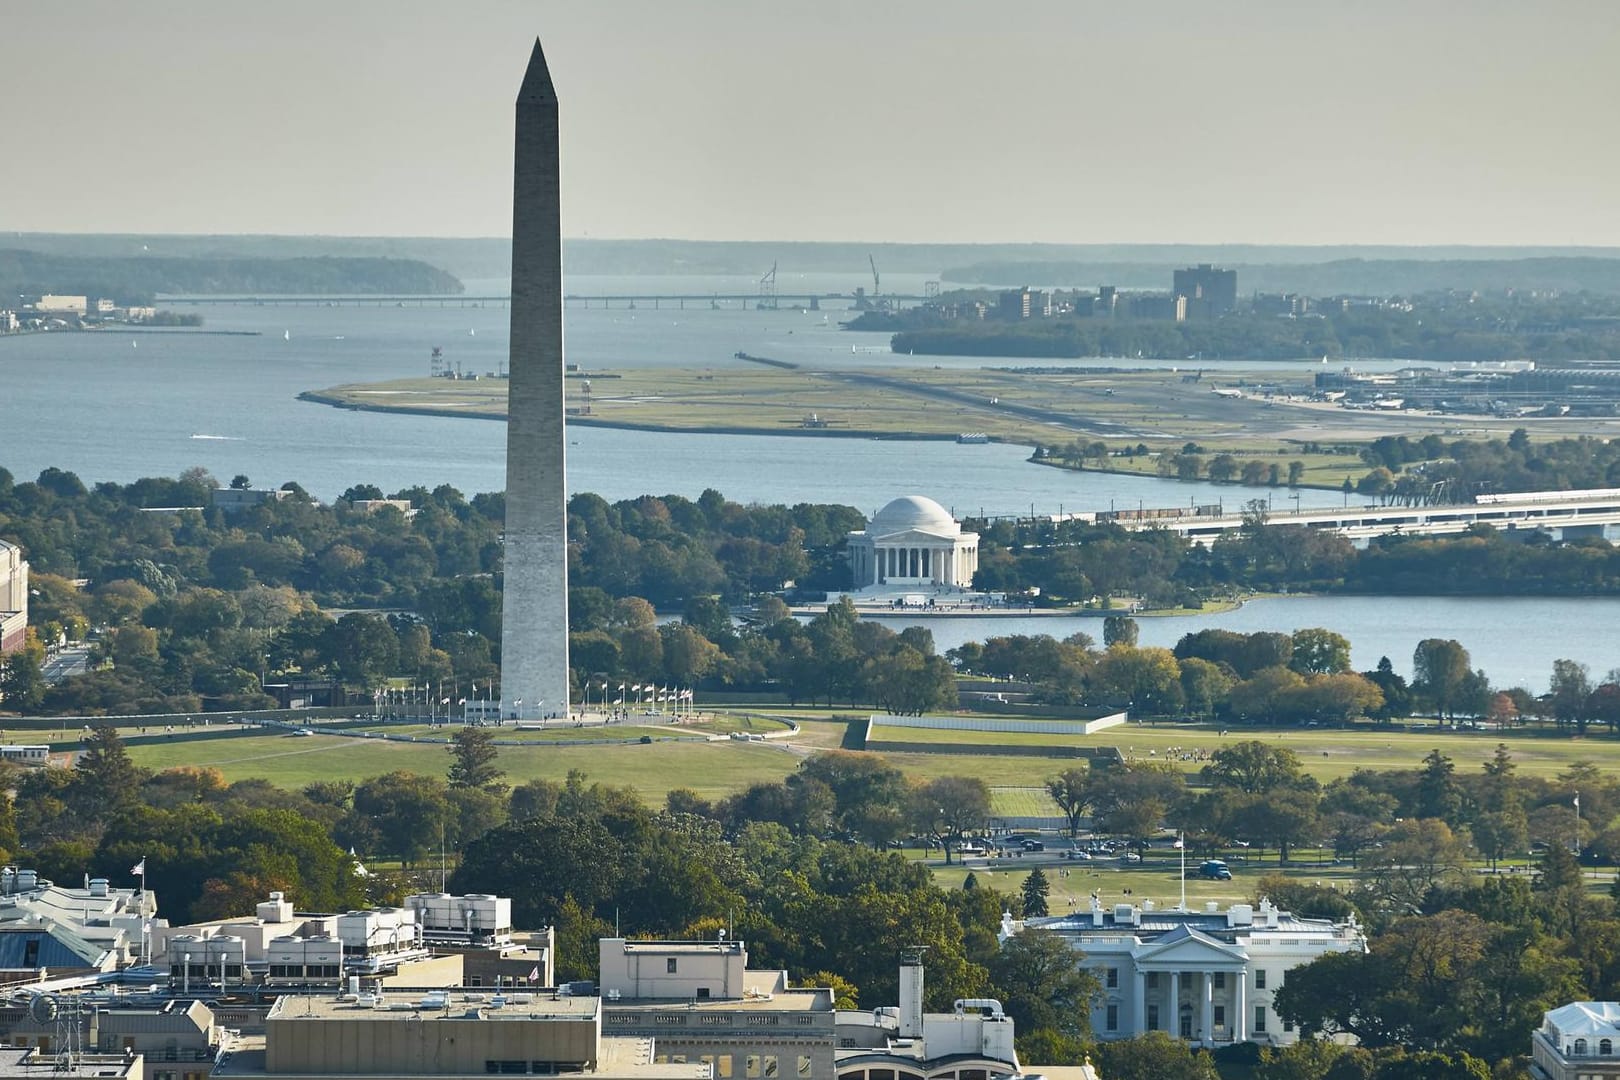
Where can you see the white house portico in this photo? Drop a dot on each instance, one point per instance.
(913, 541)
(1204, 976)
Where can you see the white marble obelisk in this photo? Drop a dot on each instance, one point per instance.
(534, 620)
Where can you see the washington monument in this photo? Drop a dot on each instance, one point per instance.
(534, 620)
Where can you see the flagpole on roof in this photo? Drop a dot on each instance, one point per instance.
(1181, 842)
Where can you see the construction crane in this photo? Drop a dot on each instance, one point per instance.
(876, 281)
(767, 289)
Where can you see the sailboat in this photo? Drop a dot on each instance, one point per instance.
(286, 335)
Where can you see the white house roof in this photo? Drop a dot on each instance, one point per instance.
(1587, 1018)
(913, 512)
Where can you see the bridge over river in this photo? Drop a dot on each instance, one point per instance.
(1565, 514)
(656, 301)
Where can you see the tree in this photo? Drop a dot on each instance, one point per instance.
(1071, 790)
(951, 807)
(1034, 892)
(1154, 1056)
(22, 678)
(239, 482)
(104, 776)
(473, 753)
(1320, 652)
(1042, 984)
(1439, 668)
(1417, 855)
(1119, 630)
(1254, 767)
(1569, 689)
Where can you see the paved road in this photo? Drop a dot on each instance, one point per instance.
(72, 660)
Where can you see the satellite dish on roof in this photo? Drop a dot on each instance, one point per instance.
(43, 1009)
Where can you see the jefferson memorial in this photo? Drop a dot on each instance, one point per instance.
(913, 541)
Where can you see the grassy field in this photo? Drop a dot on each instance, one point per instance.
(711, 769)
(721, 768)
(1022, 802)
(1012, 401)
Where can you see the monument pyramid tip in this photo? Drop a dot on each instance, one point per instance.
(537, 79)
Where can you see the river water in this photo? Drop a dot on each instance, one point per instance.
(1513, 639)
(119, 406)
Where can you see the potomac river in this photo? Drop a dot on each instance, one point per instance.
(121, 405)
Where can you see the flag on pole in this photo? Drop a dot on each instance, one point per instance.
(139, 869)
(534, 973)
(1577, 800)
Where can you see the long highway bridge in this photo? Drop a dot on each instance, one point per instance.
(656, 301)
(1566, 514)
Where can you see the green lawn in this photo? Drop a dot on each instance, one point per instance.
(727, 767)
(1159, 880)
(711, 769)
(1022, 802)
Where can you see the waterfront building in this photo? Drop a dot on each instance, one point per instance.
(913, 541)
(1023, 303)
(1210, 291)
(534, 616)
(1578, 1041)
(60, 304)
(13, 598)
(1207, 977)
(234, 500)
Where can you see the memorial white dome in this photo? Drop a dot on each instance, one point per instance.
(913, 512)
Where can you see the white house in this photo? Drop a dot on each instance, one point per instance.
(1206, 976)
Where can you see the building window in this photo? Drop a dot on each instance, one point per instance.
(1288, 1025)
(669, 966)
(722, 1066)
(1113, 978)
(1111, 1020)
(1220, 1016)
(1220, 980)
(1260, 979)
(1580, 1048)
(1606, 1047)
(1153, 980)
(771, 1069)
(1259, 1019)
(751, 1067)
(804, 1066)
(1153, 1018)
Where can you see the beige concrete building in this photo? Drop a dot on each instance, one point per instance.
(176, 1039)
(13, 598)
(702, 1003)
(36, 1063)
(453, 1034)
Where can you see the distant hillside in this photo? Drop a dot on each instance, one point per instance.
(1356, 276)
(1128, 265)
(138, 279)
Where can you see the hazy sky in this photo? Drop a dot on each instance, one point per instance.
(1268, 121)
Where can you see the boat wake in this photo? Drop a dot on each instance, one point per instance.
(219, 438)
